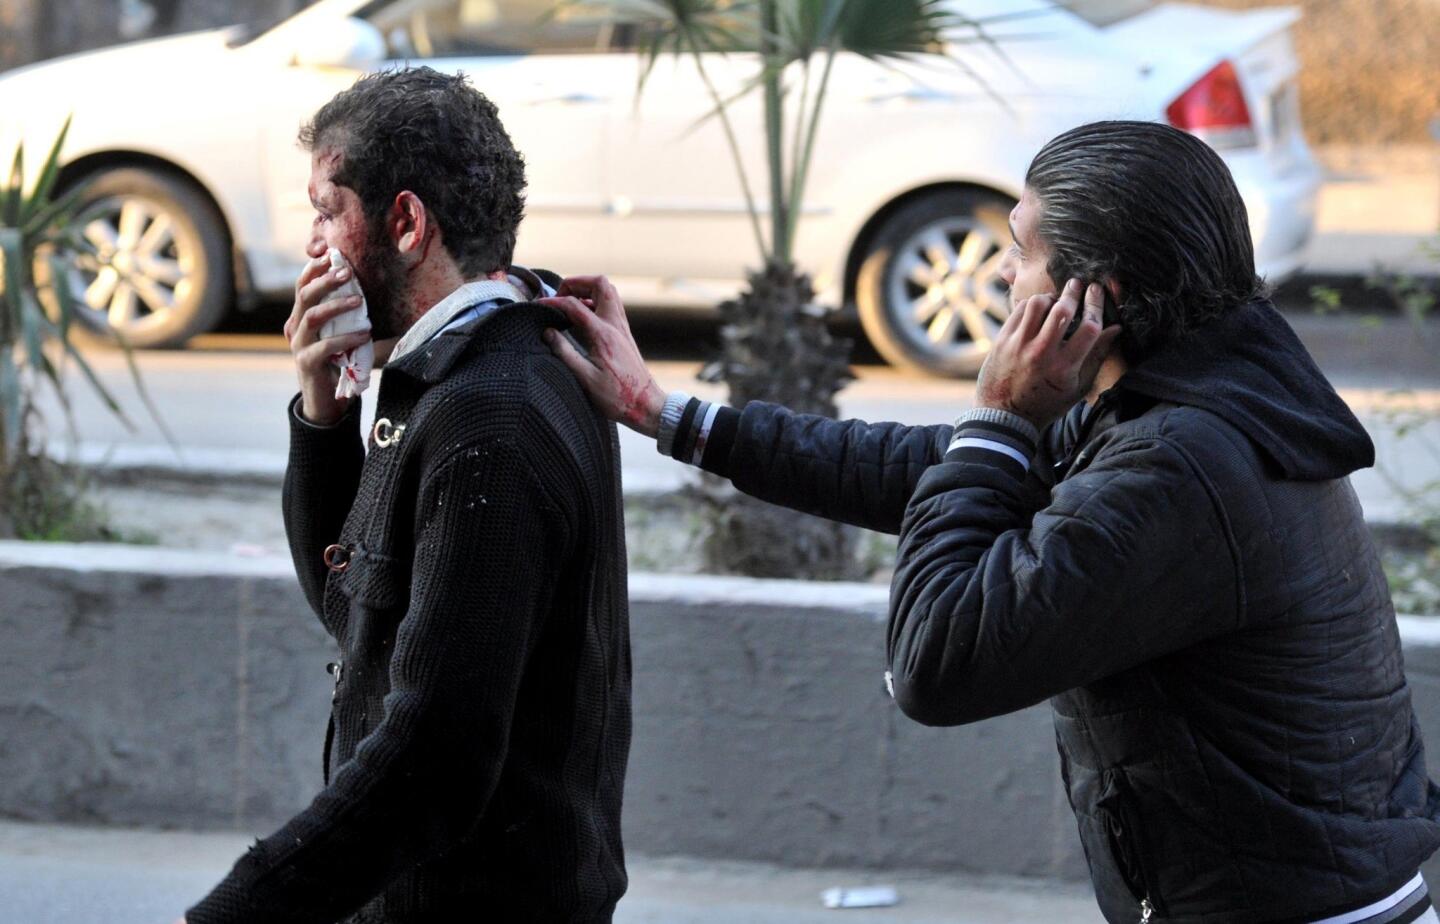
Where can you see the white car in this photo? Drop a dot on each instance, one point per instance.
(198, 188)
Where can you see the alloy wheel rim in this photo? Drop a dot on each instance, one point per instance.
(142, 270)
(943, 289)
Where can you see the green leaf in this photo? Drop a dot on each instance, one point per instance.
(64, 298)
(10, 199)
(718, 108)
(12, 279)
(98, 386)
(144, 392)
(50, 330)
(49, 172)
(57, 213)
(30, 314)
(11, 423)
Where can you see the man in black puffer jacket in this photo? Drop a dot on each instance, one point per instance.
(1179, 563)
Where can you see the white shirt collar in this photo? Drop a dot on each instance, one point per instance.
(517, 287)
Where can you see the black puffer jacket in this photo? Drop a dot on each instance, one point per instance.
(1187, 575)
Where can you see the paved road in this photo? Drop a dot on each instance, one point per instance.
(224, 400)
(53, 874)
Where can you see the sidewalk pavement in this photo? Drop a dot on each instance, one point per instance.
(1377, 207)
(52, 874)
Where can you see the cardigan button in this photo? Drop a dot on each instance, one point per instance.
(387, 434)
(337, 557)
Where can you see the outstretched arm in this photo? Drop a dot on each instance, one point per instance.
(851, 471)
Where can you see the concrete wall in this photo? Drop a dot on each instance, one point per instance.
(185, 689)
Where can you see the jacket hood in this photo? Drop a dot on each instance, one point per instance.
(1249, 368)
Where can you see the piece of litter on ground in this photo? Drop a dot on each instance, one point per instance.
(864, 897)
(249, 550)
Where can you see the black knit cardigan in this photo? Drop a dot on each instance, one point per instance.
(476, 756)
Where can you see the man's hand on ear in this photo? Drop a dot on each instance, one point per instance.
(1032, 370)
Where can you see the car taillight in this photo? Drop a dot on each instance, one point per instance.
(1214, 108)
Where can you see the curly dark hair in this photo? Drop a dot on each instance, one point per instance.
(437, 136)
(1154, 208)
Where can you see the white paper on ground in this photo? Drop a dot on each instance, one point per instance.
(864, 897)
(355, 365)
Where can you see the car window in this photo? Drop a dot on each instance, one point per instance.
(466, 28)
(256, 26)
(1101, 13)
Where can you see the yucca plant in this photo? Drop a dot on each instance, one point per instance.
(776, 344)
(41, 497)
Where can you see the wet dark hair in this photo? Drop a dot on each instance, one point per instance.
(437, 136)
(1154, 208)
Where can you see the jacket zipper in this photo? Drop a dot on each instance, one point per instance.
(1082, 436)
(1129, 849)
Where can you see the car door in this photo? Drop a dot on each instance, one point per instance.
(683, 234)
(555, 81)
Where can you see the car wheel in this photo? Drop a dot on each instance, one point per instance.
(929, 290)
(161, 272)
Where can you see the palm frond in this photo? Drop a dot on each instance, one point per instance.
(38, 230)
(144, 392)
(979, 31)
(14, 191)
(96, 385)
(678, 27)
(11, 424)
(49, 173)
(53, 215)
(748, 86)
(64, 298)
(871, 28)
(13, 275)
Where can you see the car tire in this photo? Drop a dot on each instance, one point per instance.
(928, 290)
(169, 275)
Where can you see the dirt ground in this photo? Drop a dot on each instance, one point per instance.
(1367, 68)
(662, 532)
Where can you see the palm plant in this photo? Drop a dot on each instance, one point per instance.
(40, 497)
(775, 343)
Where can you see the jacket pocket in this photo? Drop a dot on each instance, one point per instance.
(1125, 835)
(370, 600)
(329, 743)
(372, 579)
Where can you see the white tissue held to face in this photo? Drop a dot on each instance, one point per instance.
(355, 365)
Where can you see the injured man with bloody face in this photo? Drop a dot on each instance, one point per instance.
(467, 557)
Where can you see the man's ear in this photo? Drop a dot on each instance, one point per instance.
(409, 226)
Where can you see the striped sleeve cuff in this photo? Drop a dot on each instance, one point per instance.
(691, 430)
(676, 404)
(994, 437)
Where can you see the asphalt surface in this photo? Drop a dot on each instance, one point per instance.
(52, 874)
(224, 399)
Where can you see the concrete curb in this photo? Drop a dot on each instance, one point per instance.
(866, 600)
(186, 689)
